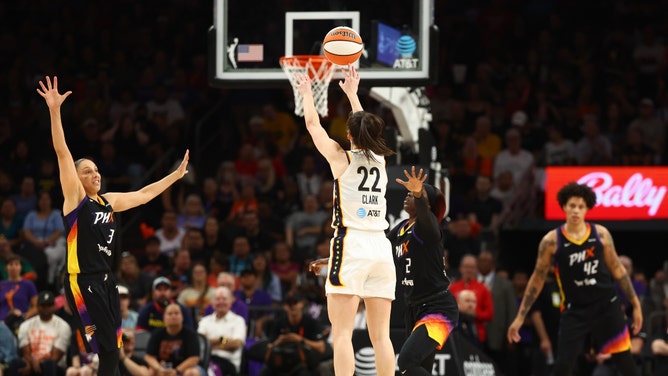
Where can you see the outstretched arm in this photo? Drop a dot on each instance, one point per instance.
(329, 148)
(618, 272)
(350, 85)
(546, 250)
(426, 222)
(73, 191)
(129, 200)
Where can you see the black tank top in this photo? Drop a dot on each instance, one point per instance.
(581, 271)
(418, 254)
(91, 237)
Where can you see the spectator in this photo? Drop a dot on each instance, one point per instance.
(239, 307)
(259, 302)
(296, 331)
(268, 184)
(81, 363)
(27, 271)
(280, 128)
(136, 281)
(151, 314)
(513, 158)
(162, 104)
(11, 224)
(485, 306)
(130, 364)
(635, 151)
(504, 188)
(213, 238)
(213, 206)
(267, 280)
(489, 144)
(197, 296)
(241, 258)
(43, 231)
(505, 308)
(7, 346)
(18, 296)
(259, 238)
(483, 208)
(658, 287)
(152, 262)
(462, 239)
(245, 164)
(286, 269)
(26, 198)
(246, 201)
(226, 331)
(192, 214)
(593, 149)
(180, 275)
(308, 179)
(302, 228)
(467, 302)
(175, 346)
(170, 235)
(43, 341)
(128, 316)
(659, 347)
(193, 241)
(558, 151)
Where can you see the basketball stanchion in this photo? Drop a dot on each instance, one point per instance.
(319, 69)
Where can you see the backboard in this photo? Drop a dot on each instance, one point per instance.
(247, 39)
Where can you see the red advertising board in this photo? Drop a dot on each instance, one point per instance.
(622, 193)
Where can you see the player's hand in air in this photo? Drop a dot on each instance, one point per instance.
(415, 181)
(351, 82)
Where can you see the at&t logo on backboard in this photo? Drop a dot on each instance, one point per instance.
(406, 47)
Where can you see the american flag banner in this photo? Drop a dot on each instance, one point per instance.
(250, 52)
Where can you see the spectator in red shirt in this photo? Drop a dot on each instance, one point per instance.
(484, 311)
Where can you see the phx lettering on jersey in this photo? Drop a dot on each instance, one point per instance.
(589, 267)
(103, 217)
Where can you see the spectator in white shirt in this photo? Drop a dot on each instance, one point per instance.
(226, 331)
(513, 157)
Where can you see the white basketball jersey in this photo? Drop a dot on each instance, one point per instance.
(359, 194)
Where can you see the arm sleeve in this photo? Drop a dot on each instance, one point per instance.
(426, 226)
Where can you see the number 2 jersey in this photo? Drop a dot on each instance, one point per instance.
(418, 254)
(359, 194)
(582, 274)
(91, 237)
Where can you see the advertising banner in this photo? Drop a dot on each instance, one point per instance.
(458, 357)
(622, 193)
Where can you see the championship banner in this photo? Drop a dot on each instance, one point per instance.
(458, 357)
(622, 193)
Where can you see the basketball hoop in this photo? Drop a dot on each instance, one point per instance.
(319, 69)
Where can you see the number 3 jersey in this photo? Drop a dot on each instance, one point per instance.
(90, 237)
(580, 268)
(359, 194)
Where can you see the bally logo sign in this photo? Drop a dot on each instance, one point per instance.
(622, 193)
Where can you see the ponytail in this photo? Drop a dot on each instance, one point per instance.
(366, 130)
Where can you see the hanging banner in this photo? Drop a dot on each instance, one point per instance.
(622, 193)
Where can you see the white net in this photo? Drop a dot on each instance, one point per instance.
(319, 69)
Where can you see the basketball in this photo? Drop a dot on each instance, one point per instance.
(342, 45)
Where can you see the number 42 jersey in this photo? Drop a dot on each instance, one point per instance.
(582, 274)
